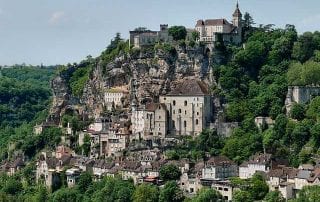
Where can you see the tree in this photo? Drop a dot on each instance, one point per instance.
(274, 196)
(309, 194)
(66, 195)
(86, 145)
(12, 187)
(171, 193)
(297, 111)
(304, 48)
(258, 188)
(169, 172)
(146, 193)
(207, 195)
(248, 21)
(178, 32)
(85, 180)
(242, 196)
(195, 35)
(313, 110)
(210, 141)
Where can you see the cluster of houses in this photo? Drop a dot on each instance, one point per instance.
(143, 167)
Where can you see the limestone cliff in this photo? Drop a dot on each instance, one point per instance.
(152, 73)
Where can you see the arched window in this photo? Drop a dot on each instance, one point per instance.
(180, 111)
(197, 121)
(174, 103)
(185, 124)
(185, 103)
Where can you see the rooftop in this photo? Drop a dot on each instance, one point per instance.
(190, 87)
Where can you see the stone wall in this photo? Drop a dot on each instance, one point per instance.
(300, 95)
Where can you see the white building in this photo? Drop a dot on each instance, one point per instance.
(137, 121)
(259, 162)
(72, 176)
(189, 108)
(219, 168)
(155, 125)
(114, 97)
(211, 29)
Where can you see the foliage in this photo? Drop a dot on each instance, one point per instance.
(169, 172)
(297, 112)
(178, 32)
(146, 193)
(274, 196)
(304, 74)
(241, 196)
(171, 193)
(207, 195)
(85, 180)
(308, 194)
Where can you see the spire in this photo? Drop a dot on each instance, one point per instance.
(237, 12)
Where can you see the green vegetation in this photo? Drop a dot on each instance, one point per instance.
(169, 172)
(178, 32)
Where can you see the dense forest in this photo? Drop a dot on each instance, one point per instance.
(24, 100)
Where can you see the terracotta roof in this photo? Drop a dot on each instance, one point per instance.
(219, 160)
(190, 87)
(151, 107)
(260, 159)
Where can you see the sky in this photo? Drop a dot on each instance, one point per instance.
(66, 31)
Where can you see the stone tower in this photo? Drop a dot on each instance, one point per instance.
(237, 17)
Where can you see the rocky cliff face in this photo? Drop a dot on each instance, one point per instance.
(152, 74)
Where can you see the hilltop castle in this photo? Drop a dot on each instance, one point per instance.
(211, 29)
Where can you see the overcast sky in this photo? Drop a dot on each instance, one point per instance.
(62, 31)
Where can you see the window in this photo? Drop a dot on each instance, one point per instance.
(197, 113)
(159, 117)
(185, 103)
(225, 189)
(197, 121)
(220, 188)
(174, 103)
(185, 111)
(179, 111)
(174, 111)
(185, 124)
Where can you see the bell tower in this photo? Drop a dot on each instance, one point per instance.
(237, 17)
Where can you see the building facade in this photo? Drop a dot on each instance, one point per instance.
(189, 108)
(211, 29)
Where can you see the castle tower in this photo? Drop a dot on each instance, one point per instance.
(237, 17)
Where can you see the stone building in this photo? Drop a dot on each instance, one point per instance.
(219, 168)
(155, 122)
(144, 37)
(189, 107)
(300, 95)
(258, 162)
(115, 97)
(211, 29)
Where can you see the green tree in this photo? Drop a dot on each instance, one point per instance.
(274, 196)
(146, 193)
(85, 180)
(178, 32)
(86, 145)
(258, 188)
(171, 193)
(207, 195)
(12, 187)
(66, 195)
(309, 194)
(297, 111)
(169, 172)
(313, 110)
(242, 196)
(195, 35)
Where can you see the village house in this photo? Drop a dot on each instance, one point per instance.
(225, 188)
(115, 97)
(73, 175)
(116, 140)
(219, 168)
(258, 162)
(211, 29)
(190, 182)
(189, 108)
(155, 125)
(137, 121)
